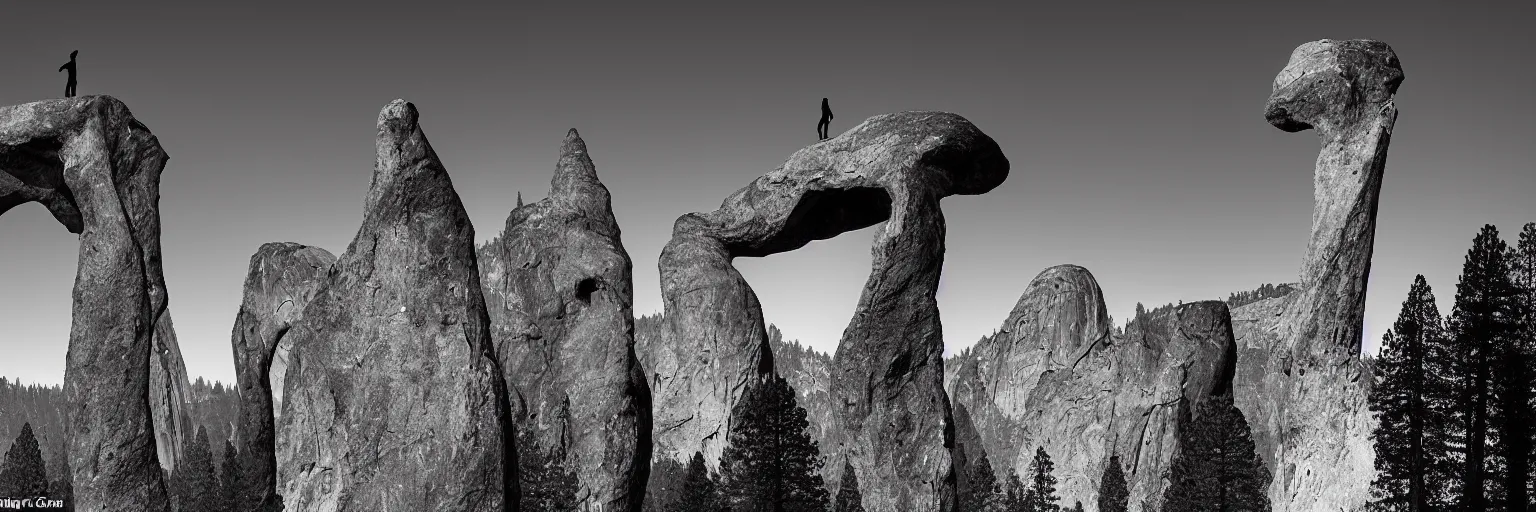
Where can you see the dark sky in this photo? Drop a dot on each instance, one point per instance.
(1135, 132)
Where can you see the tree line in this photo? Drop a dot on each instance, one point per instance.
(1453, 396)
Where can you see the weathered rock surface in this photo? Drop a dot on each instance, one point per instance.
(280, 282)
(169, 395)
(97, 170)
(559, 291)
(886, 380)
(1056, 376)
(1300, 380)
(394, 399)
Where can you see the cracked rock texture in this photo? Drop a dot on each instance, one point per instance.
(97, 170)
(1300, 380)
(559, 291)
(394, 399)
(1055, 376)
(890, 413)
(280, 282)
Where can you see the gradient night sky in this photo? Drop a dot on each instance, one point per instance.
(1135, 132)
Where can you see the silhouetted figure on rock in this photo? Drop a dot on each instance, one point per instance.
(821, 126)
(69, 87)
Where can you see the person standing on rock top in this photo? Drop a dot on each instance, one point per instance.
(69, 87)
(826, 120)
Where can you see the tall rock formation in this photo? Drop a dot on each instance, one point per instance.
(1055, 375)
(280, 282)
(169, 395)
(559, 291)
(394, 399)
(1300, 379)
(887, 378)
(97, 170)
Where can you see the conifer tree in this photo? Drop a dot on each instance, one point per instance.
(1114, 495)
(1014, 493)
(1522, 273)
(1488, 371)
(699, 492)
(1413, 403)
(770, 461)
(982, 492)
(1041, 496)
(1216, 468)
(545, 483)
(22, 473)
(229, 479)
(849, 499)
(196, 484)
(664, 489)
(1078, 507)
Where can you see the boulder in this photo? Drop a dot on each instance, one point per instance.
(1300, 380)
(1057, 376)
(891, 415)
(97, 170)
(393, 398)
(559, 291)
(281, 280)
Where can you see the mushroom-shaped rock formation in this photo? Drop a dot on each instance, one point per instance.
(559, 291)
(394, 399)
(1300, 380)
(1055, 376)
(280, 282)
(97, 170)
(887, 378)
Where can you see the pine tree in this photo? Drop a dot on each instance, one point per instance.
(196, 485)
(1488, 370)
(1216, 468)
(849, 499)
(1041, 494)
(22, 473)
(770, 461)
(1413, 404)
(545, 483)
(982, 492)
(519, 199)
(1114, 495)
(1078, 507)
(1522, 274)
(699, 492)
(229, 479)
(1014, 493)
(664, 489)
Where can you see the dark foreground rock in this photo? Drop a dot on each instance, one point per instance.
(280, 282)
(559, 290)
(97, 170)
(394, 399)
(1300, 380)
(1056, 375)
(890, 411)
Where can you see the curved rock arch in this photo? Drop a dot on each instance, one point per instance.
(893, 419)
(281, 280)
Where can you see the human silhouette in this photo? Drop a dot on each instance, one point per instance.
(826, 120)
(69, 87)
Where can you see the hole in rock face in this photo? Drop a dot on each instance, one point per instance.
(585, 288)
(810, 292)
(823, 214)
